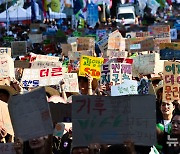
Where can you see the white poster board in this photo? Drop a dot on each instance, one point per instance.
(30, 115)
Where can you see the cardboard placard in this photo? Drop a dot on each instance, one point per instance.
(158, 41)
(103, 44)
(111, 120)
(129, 87)
(36, 38)
(43, 64)
(6, 66)
(147, 64)
(171, 76)
(173, 45)
(90, 65)
(77, 55)
(7, 148)
(137, 34)
(19, 48)
(5, 50)
(85, 43)
(5, 121)
(115, 54)
(41, 77)
(31, 119)
(69, 47)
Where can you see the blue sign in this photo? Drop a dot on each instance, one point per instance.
(169, 54)
(92, 14)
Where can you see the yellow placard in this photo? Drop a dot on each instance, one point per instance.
(90, 65)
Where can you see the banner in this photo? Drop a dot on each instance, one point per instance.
(19, 48)
(30, 115)
(115, 54)
(41, 77)
(5, 121)
(112, 120)
(147, 64)
(129, 87)
(6, 66)
(47, 58)
(171, 81)
(77, 55)
(90, 65)
(85, 43)
(43, 64)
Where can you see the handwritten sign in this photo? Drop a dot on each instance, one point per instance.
(43, 64)
(90, 65)
(169, 54)
(77, 55)
(36, 38)
(6, 66)
(100, 33)
(71, 82)
(161, 34)
(148, 64)
(103, 44)
(41, 77)
(129, 87)
(115, 53)
(31, 119)
(47, 58)
(5, 120)
(86, 43)
(111, 120)
(5, 50)
(7, 148)
(171, 81)
(19, 48)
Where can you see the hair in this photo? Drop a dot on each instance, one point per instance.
(80, 147)
(81, 78)
(3, 91)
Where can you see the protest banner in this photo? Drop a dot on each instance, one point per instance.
(103, 44)
(5, 121)
(90, 65)
(115, 53)
(169, 54)
(41, 77)
(77, 55)
(36, 38)
(7, 148)
(19, 48)
(47, 58)
(5, 50)
(60, 112)
(30, 115)
(161, 34)
(6, 66)
(59, 129)
(173, 34)
(141, 44)
(171, 81)
(147, 64)
(100, 33)
(43, 64)
(113, 120)
(85, 43)
(71, 82)
(22, 64)
(129, 87)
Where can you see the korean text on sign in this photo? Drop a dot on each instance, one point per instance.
(171, 85)
(90, 65)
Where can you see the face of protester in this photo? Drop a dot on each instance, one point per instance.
(37, 143)
(176, 125)
(167, 108)
(80, 150)
(83, 87)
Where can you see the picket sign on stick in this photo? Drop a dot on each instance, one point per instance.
(30, 115)
(6, 66)
(171, 81)
(90, 65)
(113, 119)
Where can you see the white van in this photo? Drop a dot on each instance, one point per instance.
(125, 15)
